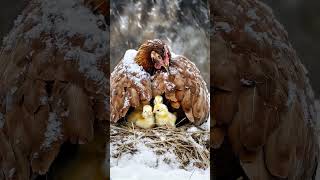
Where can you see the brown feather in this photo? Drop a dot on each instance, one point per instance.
(261, 94)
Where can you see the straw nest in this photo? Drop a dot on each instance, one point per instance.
(190, 144)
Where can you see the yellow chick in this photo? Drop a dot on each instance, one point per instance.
(158, 100)
(163, 116)
(143, 120)
(134, 116)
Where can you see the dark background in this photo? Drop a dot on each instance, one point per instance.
(301, 18)
(9, 10)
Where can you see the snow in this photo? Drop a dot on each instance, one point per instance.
(128, 66)
(53, 132)
(126, 102)
(192, 129)
(145, 164)
(206, 125)
(64, 20)
(142, 172)
(224, 26)
(87, 64)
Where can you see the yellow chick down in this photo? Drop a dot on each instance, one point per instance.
(144, 119)
(163, 116)
(158, 100)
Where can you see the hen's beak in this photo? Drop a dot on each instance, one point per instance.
(167, 68)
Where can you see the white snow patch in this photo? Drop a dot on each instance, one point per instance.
(64, 20)
(128, 66)
(206, 124)
(142, 172)
(145, 164)
(53, 132)
(126, 102)
(224, 26)
(87, 64)
(192, 130)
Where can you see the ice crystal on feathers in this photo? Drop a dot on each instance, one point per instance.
(53, 132)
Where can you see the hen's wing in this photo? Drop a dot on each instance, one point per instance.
(263, 104)
(185, 88)
(130, 86)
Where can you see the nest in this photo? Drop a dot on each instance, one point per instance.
(189, 144)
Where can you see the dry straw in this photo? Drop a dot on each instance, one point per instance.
(190, 147)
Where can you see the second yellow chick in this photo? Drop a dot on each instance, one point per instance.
(163, 116)
(143, 120)
(157, 100)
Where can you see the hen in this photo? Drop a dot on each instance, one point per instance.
(141, 75)
(53, 84)
(264, 111)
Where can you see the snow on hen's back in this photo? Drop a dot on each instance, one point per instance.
(131, 68)
(55, 23)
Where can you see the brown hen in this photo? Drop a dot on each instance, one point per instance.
(53, 83)
(139, 77)
(263, 104)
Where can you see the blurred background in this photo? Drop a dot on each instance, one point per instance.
(183, 24)
(301, 19)
(9, 10)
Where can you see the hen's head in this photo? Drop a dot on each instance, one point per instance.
(153, 55)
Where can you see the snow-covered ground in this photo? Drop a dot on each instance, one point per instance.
(146, 164)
